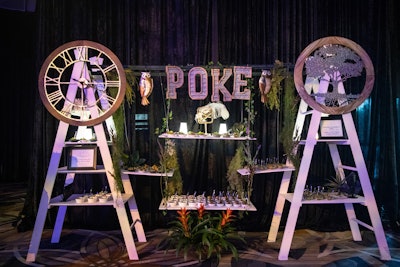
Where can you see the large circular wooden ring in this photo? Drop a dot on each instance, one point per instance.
(298, 75)
(60, 100)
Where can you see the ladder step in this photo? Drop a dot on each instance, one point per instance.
(335, 199)
(311, 111)
(364, 224)
(308, 112)
(350, 168)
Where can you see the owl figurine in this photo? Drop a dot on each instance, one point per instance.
(264, 83)
(145, 87)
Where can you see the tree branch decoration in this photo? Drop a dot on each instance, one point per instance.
(334, 60)
(339, 63)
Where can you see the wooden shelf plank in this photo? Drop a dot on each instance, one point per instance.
(245, 171)
(335, 200)
(143, 173)
(247, 207)
(346, 167)
(99, 169)
(57, 201)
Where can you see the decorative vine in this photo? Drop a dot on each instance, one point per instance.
(167, 111)
(249, 108)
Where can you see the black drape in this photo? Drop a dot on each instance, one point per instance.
(179, 32)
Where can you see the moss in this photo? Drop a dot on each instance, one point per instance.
(235, 181)
(169, 162)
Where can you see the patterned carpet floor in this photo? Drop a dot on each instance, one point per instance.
(81, 247)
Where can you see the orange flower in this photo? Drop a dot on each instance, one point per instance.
(184, 218)
(200, 211)
(226, 217)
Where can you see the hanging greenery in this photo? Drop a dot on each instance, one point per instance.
(278, 74)
(167, 111)
(118, 141)
(131, 82)
(282, 84)
(290, 103)
(118, 155)
(249, 108)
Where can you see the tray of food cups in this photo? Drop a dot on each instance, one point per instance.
(213, 202)
(101, 197)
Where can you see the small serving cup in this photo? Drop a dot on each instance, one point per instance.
(103, 199)
(92, 199)
(80, 200)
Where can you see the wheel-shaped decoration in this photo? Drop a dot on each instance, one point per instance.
(331, 61)
(82, 83)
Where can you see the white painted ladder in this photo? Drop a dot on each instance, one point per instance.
(46, 202)
(296, 198)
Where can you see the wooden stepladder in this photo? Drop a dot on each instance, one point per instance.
(118, 200)
(296, 198)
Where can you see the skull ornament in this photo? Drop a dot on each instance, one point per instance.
(206, 114)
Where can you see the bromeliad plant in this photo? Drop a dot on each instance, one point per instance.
(204, 234)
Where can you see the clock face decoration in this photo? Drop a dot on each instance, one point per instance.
(334, 67)
(82, 83)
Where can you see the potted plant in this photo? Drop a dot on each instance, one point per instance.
(203, 234)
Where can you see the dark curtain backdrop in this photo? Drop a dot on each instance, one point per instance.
(155, 33)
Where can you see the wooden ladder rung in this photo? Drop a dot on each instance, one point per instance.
(364, 224)
(311, 111)
(346, 167)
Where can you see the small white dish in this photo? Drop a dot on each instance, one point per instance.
(92, 199)
(103, 199)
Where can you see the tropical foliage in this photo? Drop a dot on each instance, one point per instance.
(205, 234)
